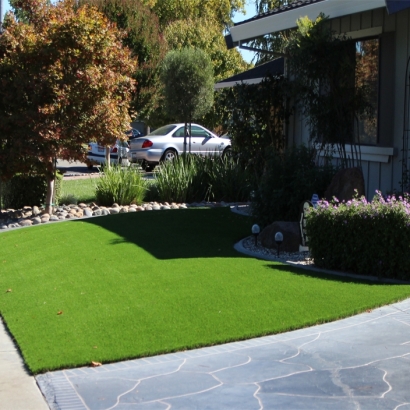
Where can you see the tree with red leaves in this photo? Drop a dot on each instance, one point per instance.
(65, 79)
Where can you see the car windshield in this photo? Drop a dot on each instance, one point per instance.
(166, 129)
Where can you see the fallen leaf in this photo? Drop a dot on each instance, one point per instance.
(8, 290)
(94, 347)
(96, 364)
(60, 312)
(368, 310)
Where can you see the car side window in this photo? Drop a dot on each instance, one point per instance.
(179, 132)
(199, 132)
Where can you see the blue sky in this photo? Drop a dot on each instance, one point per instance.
(250, 12)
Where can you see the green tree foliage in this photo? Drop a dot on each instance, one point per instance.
(324, 67)
(255, 118)
(147, 44)
(290, 177)
(273, 44)
(64, 80)
(188, 84)
(200, 24)
(203, 33)
(221, 11)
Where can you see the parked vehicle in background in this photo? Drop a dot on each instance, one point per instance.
(118, 154)
(133, 133)
(167, 142)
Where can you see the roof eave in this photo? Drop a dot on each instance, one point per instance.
(278, 22)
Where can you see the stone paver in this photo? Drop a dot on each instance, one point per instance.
(360, 362)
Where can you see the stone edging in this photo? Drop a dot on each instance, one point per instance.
(30, 216)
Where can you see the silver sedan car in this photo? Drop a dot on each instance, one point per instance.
(166, 143)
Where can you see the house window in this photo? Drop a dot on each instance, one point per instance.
(367, 79)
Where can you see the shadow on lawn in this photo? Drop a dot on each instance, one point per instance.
(335, 278)
(174, 234)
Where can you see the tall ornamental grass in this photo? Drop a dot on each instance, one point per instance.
(121, 185)
(174, 179)
(367, 238)
(192, 178)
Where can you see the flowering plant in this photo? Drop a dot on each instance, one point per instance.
(367, 238)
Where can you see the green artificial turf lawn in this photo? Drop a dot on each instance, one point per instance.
(132, 285)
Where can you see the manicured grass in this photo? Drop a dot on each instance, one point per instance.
(83, 190)
(132, 285)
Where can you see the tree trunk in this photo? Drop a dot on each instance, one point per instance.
(49, 196)
(107, 157)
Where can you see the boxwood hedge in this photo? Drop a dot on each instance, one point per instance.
(367, 238)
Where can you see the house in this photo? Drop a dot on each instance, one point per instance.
(384, 23)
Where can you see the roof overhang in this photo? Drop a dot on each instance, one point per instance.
(394, 6)
(254, 75)
(252, 29)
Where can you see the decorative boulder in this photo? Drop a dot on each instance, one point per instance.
(291, 236)
(344, 183)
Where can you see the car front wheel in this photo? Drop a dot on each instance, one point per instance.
(227, 153)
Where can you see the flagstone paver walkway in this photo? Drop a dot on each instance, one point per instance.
(361, 362)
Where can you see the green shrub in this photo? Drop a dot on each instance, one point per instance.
(191, 178)
(24, 190)
(174, 179)
(121, 185)
(367, 238)
(290, 178)
(221, 179)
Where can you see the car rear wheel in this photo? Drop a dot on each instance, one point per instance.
(169, 155)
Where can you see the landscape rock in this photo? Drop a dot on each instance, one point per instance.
(26, 222)
(35, 211)
(115, 210)
(291, 236)
(344, 183)
(36, 220)
(88, 212)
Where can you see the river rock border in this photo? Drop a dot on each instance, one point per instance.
(29, 216)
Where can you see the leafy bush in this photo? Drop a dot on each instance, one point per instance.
(290, 178)
(221, 179)
(24, 190)
(255, 117)
(192, 178)
(367, 238)
(27, 190)
(120, 185)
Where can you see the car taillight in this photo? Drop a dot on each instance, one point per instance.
(89, 147)
(114, 150)
(147, 144)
